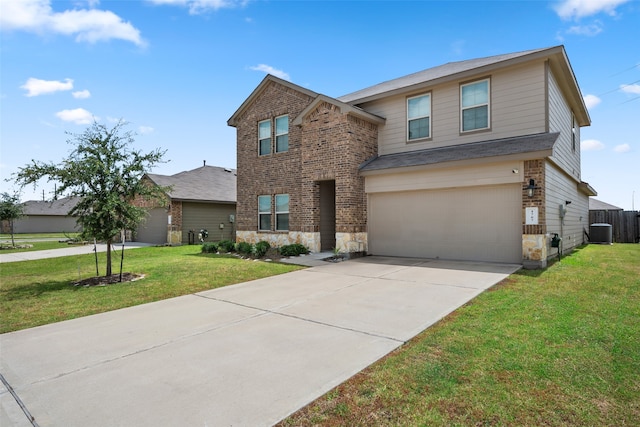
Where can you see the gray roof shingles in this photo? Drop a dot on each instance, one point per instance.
(206, 184)
(476, 150)
(59, 207)
(598, 205)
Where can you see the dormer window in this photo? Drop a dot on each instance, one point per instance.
(419, 117)
(474, 102)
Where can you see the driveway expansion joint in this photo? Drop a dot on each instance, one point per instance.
(19, 401)
(291, 316)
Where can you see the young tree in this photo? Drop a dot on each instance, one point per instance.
(105, 172)
(10, 210)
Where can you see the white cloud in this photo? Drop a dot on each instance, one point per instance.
(622, 148)
(88, 25)
(81, 94)
(634, 89)
(270, 70)
(36, 87)
(79, 116)
(591, 145)
(591, 101)
(144, 130)
(576, 9)
(201, 6)
(586, 30)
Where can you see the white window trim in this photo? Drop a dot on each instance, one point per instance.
(264, 213)
(261, 139)
(275, 127)
(488, 104)
(420, 117)
(281, 212)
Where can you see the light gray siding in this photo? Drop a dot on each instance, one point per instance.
(517, 108)
(561, 188)
(209, 216)
(560, 117)
(46, 224)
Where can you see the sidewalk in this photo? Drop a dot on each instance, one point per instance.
(71, 250)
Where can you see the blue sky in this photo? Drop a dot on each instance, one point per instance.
(176, 70)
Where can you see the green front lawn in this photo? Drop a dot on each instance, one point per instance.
(559, 347)
(38, 292)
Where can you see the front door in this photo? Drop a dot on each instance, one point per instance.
(327, 215)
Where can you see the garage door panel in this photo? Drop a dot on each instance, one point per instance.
(479, 223)
(154, 228)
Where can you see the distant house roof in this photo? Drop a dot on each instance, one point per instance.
(204, 184)
(597, 205)
(59, 207)
(540, 144)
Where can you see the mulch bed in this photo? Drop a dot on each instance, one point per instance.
(109, 280)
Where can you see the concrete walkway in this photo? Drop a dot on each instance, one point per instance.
(244, 355)
(70, 250)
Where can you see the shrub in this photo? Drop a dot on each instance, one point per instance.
(293, 250)
(226, 246)
(260, 249)
(209, 248)
(244, 248)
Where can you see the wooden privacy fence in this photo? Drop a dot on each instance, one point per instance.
(625, 224)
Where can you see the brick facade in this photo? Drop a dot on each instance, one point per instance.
(328, 145)
(534, 237)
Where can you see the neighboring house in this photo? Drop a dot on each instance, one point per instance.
(202, 198)
(47, 217)
(472, 160)
(597, 205)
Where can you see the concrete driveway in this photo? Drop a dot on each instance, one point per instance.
(244, 355)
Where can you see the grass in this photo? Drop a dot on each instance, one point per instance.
(34, 293)
(38, 241)
(36, 236)
(36, 246)
(559, 347)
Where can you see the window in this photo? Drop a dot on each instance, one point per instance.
(264, 137)
(474, 99)
(419, 117)
(282, 134)
(282, 212)
(264, 212)
(573, 133)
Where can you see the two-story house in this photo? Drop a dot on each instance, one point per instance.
(471, 160)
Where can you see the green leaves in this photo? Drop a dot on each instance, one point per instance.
(106, 173)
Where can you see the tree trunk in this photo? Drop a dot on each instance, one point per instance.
(108, 258)
(13, 242)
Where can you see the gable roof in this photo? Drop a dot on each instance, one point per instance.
(204, 184)
(344, 109)
(233, 120)
(597, 205)
(466, 69)
(59, 207)
(534, 146)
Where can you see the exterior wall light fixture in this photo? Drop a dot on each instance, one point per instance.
(531, 188)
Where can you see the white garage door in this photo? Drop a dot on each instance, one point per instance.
(474, 223)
